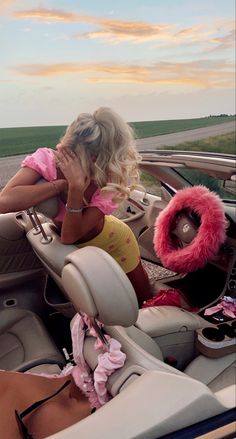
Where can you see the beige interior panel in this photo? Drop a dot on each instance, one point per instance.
(153, 414)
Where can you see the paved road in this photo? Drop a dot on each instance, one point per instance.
(186, 136)
(9, 165)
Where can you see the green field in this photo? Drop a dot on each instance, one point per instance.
(15, 141)
(157, 128)
(224, 144)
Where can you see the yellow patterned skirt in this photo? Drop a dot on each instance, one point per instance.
(117, 239)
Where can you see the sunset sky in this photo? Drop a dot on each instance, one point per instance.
(147, 59)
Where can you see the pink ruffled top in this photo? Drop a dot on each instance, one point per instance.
(43, 162)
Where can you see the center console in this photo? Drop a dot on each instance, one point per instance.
(173, 329)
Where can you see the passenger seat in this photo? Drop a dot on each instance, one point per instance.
(25, 343)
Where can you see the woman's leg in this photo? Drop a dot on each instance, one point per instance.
(139, 279)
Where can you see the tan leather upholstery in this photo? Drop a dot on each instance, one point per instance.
(173, 329)
(217, 373)
(49, 207)
(16, 254)
(96, 285)
(24, 342)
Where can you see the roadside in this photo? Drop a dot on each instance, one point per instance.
(186, 136)
(10, 165)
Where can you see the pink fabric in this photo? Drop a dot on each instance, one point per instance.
(43, 162)
(211, 233)
(170, 297)
(228, 307)
(92, 384)
(107, 363)
(81, 372)
(103, 201)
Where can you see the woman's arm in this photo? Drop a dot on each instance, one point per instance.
(21, 192)
(84, 224)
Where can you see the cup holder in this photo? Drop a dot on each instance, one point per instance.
(219, 334)
(213, 334)
(218, 340)
(233, 324)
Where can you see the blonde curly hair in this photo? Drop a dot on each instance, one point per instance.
(105, 145)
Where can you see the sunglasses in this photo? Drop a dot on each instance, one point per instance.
(25, 434)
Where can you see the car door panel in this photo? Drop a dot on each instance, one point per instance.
(19, 266)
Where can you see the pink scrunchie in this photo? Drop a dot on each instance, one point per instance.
(93, 384)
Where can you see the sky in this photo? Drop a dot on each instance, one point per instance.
(146, 59)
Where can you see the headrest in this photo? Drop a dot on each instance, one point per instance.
(97, 285)
(48, 207)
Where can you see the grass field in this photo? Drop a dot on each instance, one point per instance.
(224, 143)
(157, 128)
(14, 141)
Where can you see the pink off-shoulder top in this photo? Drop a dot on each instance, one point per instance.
(43, 162)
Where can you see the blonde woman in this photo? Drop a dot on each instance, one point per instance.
(93, 169)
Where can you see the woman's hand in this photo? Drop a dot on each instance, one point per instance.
(69, 164)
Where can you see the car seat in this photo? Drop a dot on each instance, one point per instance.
(25, 343)
(96, 285)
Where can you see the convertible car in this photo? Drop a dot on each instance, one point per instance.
(178, 378)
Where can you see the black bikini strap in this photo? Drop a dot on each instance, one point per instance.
(36, 404)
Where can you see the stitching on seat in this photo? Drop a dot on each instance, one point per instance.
(14, 348)
(28, 314)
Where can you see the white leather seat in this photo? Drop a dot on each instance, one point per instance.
(24, 342)
(96, 284)
(216, 373)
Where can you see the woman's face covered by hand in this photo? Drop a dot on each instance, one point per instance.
(69, 164)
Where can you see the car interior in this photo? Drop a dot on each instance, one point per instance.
(44, 283)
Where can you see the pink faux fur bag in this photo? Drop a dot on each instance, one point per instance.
(210, 235)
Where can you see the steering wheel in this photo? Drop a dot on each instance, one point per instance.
(189, 231)
(185, 227)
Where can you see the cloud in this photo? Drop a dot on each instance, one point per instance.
(225, 42)
(110, 28)
(66, 68)
(44, 14)
(4, 4)
(200, 74)
(115, 31)
(138, 32)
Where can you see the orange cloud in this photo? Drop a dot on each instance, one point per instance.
(133, 31)
(135, 80)
(4, 4)
(117, 30)
(110, 28)
(44, 14)
(201, 73)
(193, 34)
(65, 68)
(225, 42)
